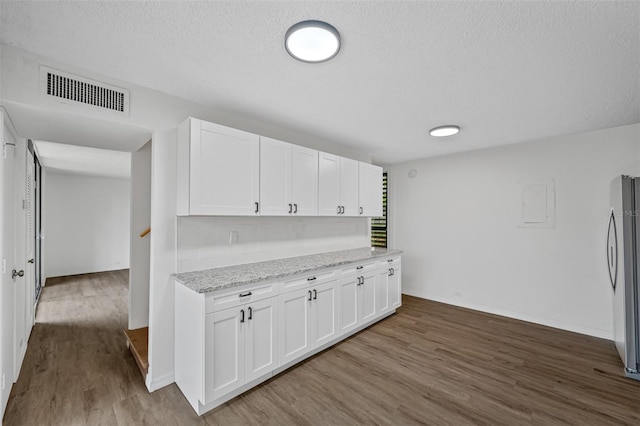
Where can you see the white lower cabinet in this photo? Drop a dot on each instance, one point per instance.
(357, 300)
(308, 319)
(230, 340)
(240, 346)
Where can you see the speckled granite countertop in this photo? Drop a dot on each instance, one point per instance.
(232, 276)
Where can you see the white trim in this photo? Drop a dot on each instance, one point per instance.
(160, 382)
(594, 332)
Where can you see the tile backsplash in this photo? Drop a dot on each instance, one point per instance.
(204, 242)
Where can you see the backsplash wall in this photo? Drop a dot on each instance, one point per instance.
(203, 242)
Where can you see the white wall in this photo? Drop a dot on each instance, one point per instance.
(457, 222)
(140, 246)
(163, 259)
(203, 242)
(87, 224)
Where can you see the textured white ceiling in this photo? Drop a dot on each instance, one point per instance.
(57, 157)
(505, 72)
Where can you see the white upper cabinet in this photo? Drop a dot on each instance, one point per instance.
(223, 171)
(337, 186)
(288, 179)
(218, 170)
(370, 190)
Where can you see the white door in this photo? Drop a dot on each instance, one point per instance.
(30, 267)
(23, 305)
(304, 181)
(224, 352)
(367, 297)
(349, 186)
(7, 212)
(225, 170)
(348, 303)
(275, 177)
(294, 326)
(261, 342)
(370, 190)
(325, 313)
(328, 184)
(382, 291)
(395, 287)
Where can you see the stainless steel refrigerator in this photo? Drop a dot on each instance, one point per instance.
(623, 260)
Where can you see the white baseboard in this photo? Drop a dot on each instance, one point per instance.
(160, 382)
(602, 334)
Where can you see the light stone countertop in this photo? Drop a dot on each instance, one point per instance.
(214, 279)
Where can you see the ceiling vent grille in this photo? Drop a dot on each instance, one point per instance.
(71, 89)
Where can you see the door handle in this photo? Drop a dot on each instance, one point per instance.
(15, 274)
(31, 261)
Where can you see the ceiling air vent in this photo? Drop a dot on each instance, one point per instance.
(72, 89)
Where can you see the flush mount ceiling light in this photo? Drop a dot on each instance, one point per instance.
(312, 41)
(441, 131)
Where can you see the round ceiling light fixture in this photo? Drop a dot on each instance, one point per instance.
(441, 131)
(312, 41)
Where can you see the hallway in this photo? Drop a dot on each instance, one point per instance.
(78, 370)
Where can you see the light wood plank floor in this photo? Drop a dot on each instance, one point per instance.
(428, 364)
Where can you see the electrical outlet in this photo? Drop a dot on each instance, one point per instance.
(233, 237)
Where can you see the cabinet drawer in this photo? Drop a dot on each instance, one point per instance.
(307, 280)
(357, 268)
(236, 296)
(393, 261)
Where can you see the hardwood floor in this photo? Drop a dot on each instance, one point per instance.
(428, 364)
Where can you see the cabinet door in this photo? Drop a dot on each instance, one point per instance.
(224, 353)
(367, 298)
(370, 190)
(382, 291)
(325, 313)
(304, 181)
(348, 303)
(395, 287)
(275, 177)
(349, 186)
(224, 170)
(294, 329)
(328, 184)
(261, 339)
